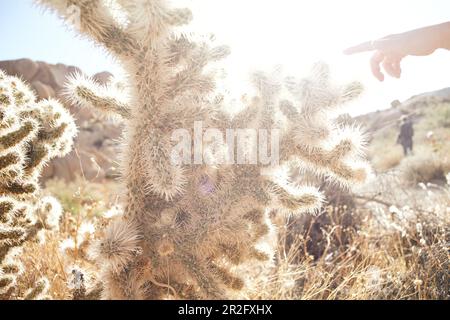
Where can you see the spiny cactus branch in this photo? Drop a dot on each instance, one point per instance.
(187, 231)
(31, 134)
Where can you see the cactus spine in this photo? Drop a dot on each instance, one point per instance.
(186, 230)
(31, 133)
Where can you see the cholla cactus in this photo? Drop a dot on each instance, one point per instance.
(31, 133)
(186, 229)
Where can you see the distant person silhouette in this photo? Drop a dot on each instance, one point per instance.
(390, 50)
(406, 134)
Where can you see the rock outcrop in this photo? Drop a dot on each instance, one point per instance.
(94, 151)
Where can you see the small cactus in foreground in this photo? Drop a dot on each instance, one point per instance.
(188, 230)
(31, 133)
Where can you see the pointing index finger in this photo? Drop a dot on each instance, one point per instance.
(362, 47)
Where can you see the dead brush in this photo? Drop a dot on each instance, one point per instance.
(375, 264)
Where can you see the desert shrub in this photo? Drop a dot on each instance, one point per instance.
(424, 167)
(395, 247)
(330, 231)
(393, 253)
(438, 116)
(384, 152)
(388, 160)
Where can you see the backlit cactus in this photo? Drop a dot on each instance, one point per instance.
(31, 133)
(187, 231)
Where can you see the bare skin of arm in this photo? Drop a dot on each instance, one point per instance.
(390, 50)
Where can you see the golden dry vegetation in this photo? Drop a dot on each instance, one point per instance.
(388, 240)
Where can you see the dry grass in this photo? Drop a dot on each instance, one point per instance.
(424, 167)
(376, 248)
(56, 254)
(383, 151)
(390, 254)
(389, 160)
(389, 241)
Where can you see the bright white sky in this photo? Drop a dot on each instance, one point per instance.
(263, 33)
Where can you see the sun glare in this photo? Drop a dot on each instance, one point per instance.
(295, 34)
